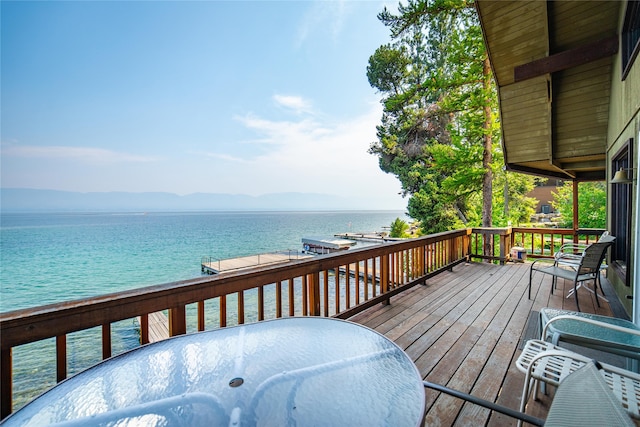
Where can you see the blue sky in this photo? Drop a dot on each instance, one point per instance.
(201, 96)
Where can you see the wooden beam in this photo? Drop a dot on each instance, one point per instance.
(567, 59)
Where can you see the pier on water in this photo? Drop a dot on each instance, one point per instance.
(158, 326)
(212, 265)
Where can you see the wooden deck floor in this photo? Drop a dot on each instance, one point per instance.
(462, 329)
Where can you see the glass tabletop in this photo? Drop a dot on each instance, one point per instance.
(287, 372)
(589, 332)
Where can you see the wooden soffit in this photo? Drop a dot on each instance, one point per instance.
(553, 62)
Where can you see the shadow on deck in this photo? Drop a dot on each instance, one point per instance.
(463, 330)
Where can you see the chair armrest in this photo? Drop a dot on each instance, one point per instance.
(571, 249)
(485, 403)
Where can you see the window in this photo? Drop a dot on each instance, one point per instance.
(621, 214)
(630, 36)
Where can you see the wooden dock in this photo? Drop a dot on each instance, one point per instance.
(214, 266)
(158, 327)
(368, 237)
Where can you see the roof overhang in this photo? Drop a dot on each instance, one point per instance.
(553, 64)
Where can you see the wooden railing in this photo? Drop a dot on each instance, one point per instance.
(494, 244)
(340, 285)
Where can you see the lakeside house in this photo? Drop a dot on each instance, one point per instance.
(569, 91)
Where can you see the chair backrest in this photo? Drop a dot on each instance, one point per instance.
(583, 399)
(594, 255)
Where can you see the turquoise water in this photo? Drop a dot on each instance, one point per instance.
(49, 258)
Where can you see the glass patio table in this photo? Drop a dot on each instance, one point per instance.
(299, 371)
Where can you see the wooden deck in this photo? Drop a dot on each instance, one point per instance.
(463, 329)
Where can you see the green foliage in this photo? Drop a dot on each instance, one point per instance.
(435, 88)
(399, 228)
(440, 133)
(592, 208)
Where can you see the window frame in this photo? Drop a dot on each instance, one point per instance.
(621, 210)
(630, 36)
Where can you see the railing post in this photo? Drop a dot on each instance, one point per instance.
(504, 245)
(6, 383)
(313, 282)
(177, 321)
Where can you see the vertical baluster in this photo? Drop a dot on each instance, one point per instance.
(201, 322)
(61, 357)
(366, 279)
(279, 299)
(357, 279)
(106, 341)
(261, 303)
(373, 274)
(314, 293)
(384, 275)
(325, 279)
(391, 259)
(177, 320)
(240, 307)
(347, 286)
(144, 328)
(336, 280)
(305, 297)
(223, 311)
(6, 382)
(292, 311)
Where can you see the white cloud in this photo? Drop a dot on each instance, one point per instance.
(296, 104)
(318, 156)
(222, 156)
(87, 154)
(322, 16)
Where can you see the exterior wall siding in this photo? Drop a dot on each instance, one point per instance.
(624, 123)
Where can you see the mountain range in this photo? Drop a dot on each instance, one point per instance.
(34, 200)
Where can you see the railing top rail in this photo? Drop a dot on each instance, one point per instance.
(32, 324)
(565, 231)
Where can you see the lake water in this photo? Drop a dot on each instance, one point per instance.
(49, 258)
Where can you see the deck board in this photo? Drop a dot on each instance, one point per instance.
(462, 329)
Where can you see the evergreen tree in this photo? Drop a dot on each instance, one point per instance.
(439, 133)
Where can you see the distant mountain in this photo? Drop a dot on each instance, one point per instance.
(31, 200)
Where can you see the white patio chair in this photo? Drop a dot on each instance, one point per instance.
(583, 399)
(541, 361)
